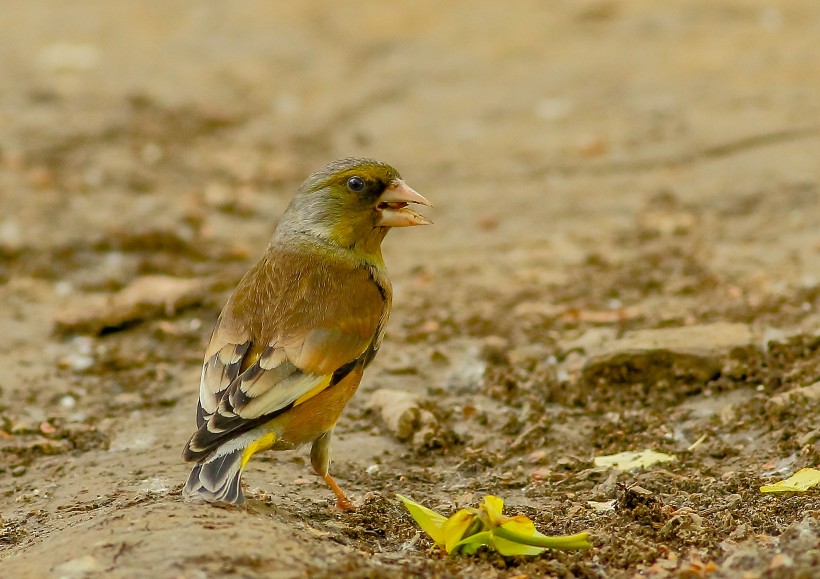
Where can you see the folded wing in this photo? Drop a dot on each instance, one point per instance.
(248, 378)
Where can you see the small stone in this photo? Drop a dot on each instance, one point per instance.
(781, 561)
(602, 506)
(47, 428)
(68, 402)
(537, 457)
(25, 425)
(78, 567)
(791, 398)
(592, 146)
(77, 362)
(63, 288)
(398, 410)
(541, 473)
(155, 486)
(147, 297)
(126, 400)
(694, 353)
(401, 414)
(809, 437)
(11, 235)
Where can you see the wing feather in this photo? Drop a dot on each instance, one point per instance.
(218, 372)
(259, 366)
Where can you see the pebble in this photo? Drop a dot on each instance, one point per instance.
(68, 402)
(78, 567)
(401, 414)
(698, 352)
(398, 410)
(11, 235)
(791, 398)
(146, 297)
(155, 486)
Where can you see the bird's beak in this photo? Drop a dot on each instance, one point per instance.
(392, 207)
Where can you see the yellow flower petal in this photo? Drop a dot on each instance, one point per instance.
(493, 507)
(520, 524)
(469, 529)
(429, 520)
(455, 527)
(799, 482)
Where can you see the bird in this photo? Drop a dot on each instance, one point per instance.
(293, 340)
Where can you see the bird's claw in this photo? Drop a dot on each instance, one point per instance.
(345, 505)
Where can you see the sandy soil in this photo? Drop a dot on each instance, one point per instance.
(626, 255)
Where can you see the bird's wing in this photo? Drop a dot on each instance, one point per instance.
(247, 380)
(226, 353)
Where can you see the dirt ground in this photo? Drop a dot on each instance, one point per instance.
(626, 255)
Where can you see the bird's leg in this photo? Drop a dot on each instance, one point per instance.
(342, 502)
(320, 459)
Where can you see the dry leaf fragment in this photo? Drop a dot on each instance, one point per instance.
(629, 460)
(799, 482)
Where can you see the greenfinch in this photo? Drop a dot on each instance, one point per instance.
(291, 344)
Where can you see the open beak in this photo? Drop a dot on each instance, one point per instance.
(392, 207)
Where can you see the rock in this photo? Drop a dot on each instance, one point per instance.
(147, 297)
(78, 567)
(796, 554)
(592, 340)
(692, 353)
(11, 237)
(398, 410)
(801, 537)
(809, 437)
(28, 445)
(785, 400)
(401, 414)
(703, 339)
(82, 355)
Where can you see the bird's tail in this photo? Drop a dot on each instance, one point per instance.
(218, 479)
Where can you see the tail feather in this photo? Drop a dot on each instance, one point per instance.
(217, 480)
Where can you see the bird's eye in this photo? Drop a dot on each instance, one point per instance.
(355, 184)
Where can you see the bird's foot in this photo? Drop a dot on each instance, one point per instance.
(345, 505)
(342, 502)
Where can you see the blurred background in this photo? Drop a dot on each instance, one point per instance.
(513, 115)
(596, 166)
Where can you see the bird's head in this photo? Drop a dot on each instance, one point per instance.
(352, 203)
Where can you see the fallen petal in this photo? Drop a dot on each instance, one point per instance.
(799, 482)
(429, 520)
(630, 460)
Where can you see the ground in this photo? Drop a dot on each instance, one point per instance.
(626, 255)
